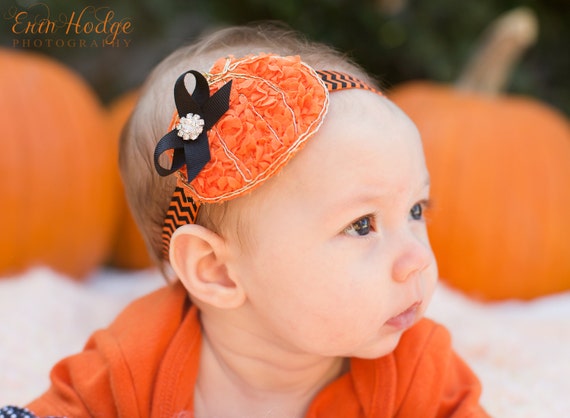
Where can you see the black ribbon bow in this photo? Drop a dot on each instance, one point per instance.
(195, 153)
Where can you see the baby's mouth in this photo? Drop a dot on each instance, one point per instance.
(406, 318)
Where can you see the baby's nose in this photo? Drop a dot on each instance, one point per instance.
(414, 257)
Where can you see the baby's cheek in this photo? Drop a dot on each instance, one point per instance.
(430, 280)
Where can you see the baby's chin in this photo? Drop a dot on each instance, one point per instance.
(389, 338)
(384, 346)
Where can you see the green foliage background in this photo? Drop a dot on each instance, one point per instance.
(420, 39)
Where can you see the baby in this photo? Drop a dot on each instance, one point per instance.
(284, 198)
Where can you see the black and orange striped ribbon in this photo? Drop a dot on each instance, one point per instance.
(182, 210)
(335, 80)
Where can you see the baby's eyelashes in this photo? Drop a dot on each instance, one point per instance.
(418, 211)
(366, 224)
(361, 227)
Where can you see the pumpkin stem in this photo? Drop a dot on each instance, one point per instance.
(391, 7)
(502, 45)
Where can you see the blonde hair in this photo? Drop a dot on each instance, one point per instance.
(148, 193)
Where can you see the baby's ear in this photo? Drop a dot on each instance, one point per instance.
(197, 256)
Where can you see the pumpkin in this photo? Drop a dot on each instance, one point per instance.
(500, 176)
(58, 196)
(128, 249)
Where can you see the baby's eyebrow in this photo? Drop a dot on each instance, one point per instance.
(367, 196)
(425, 184)
(352, 202)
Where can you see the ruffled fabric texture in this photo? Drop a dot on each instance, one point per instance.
(276, 104)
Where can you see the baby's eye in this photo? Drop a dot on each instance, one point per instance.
(361, 227)
(417, 211)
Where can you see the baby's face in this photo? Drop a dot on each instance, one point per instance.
(340, 263)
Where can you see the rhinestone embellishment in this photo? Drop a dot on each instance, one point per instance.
(190, 126)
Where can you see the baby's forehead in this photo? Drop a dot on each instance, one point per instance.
(361, 116)
(364, 138)
(366, 103)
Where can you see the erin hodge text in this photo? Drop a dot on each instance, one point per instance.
(88, 27)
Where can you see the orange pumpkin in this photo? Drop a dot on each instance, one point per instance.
(128, 250)
(58, 197)
(500, 174)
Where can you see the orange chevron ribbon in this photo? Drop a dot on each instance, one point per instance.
(182, 210)
(335, 81)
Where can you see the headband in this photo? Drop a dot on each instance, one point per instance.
(245, 119)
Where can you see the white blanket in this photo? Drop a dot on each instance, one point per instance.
(520, 350)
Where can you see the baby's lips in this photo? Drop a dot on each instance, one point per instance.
(406, 318)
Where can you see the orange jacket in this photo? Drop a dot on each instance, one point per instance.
(145, 365)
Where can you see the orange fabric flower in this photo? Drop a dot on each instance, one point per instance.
(276, 104)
